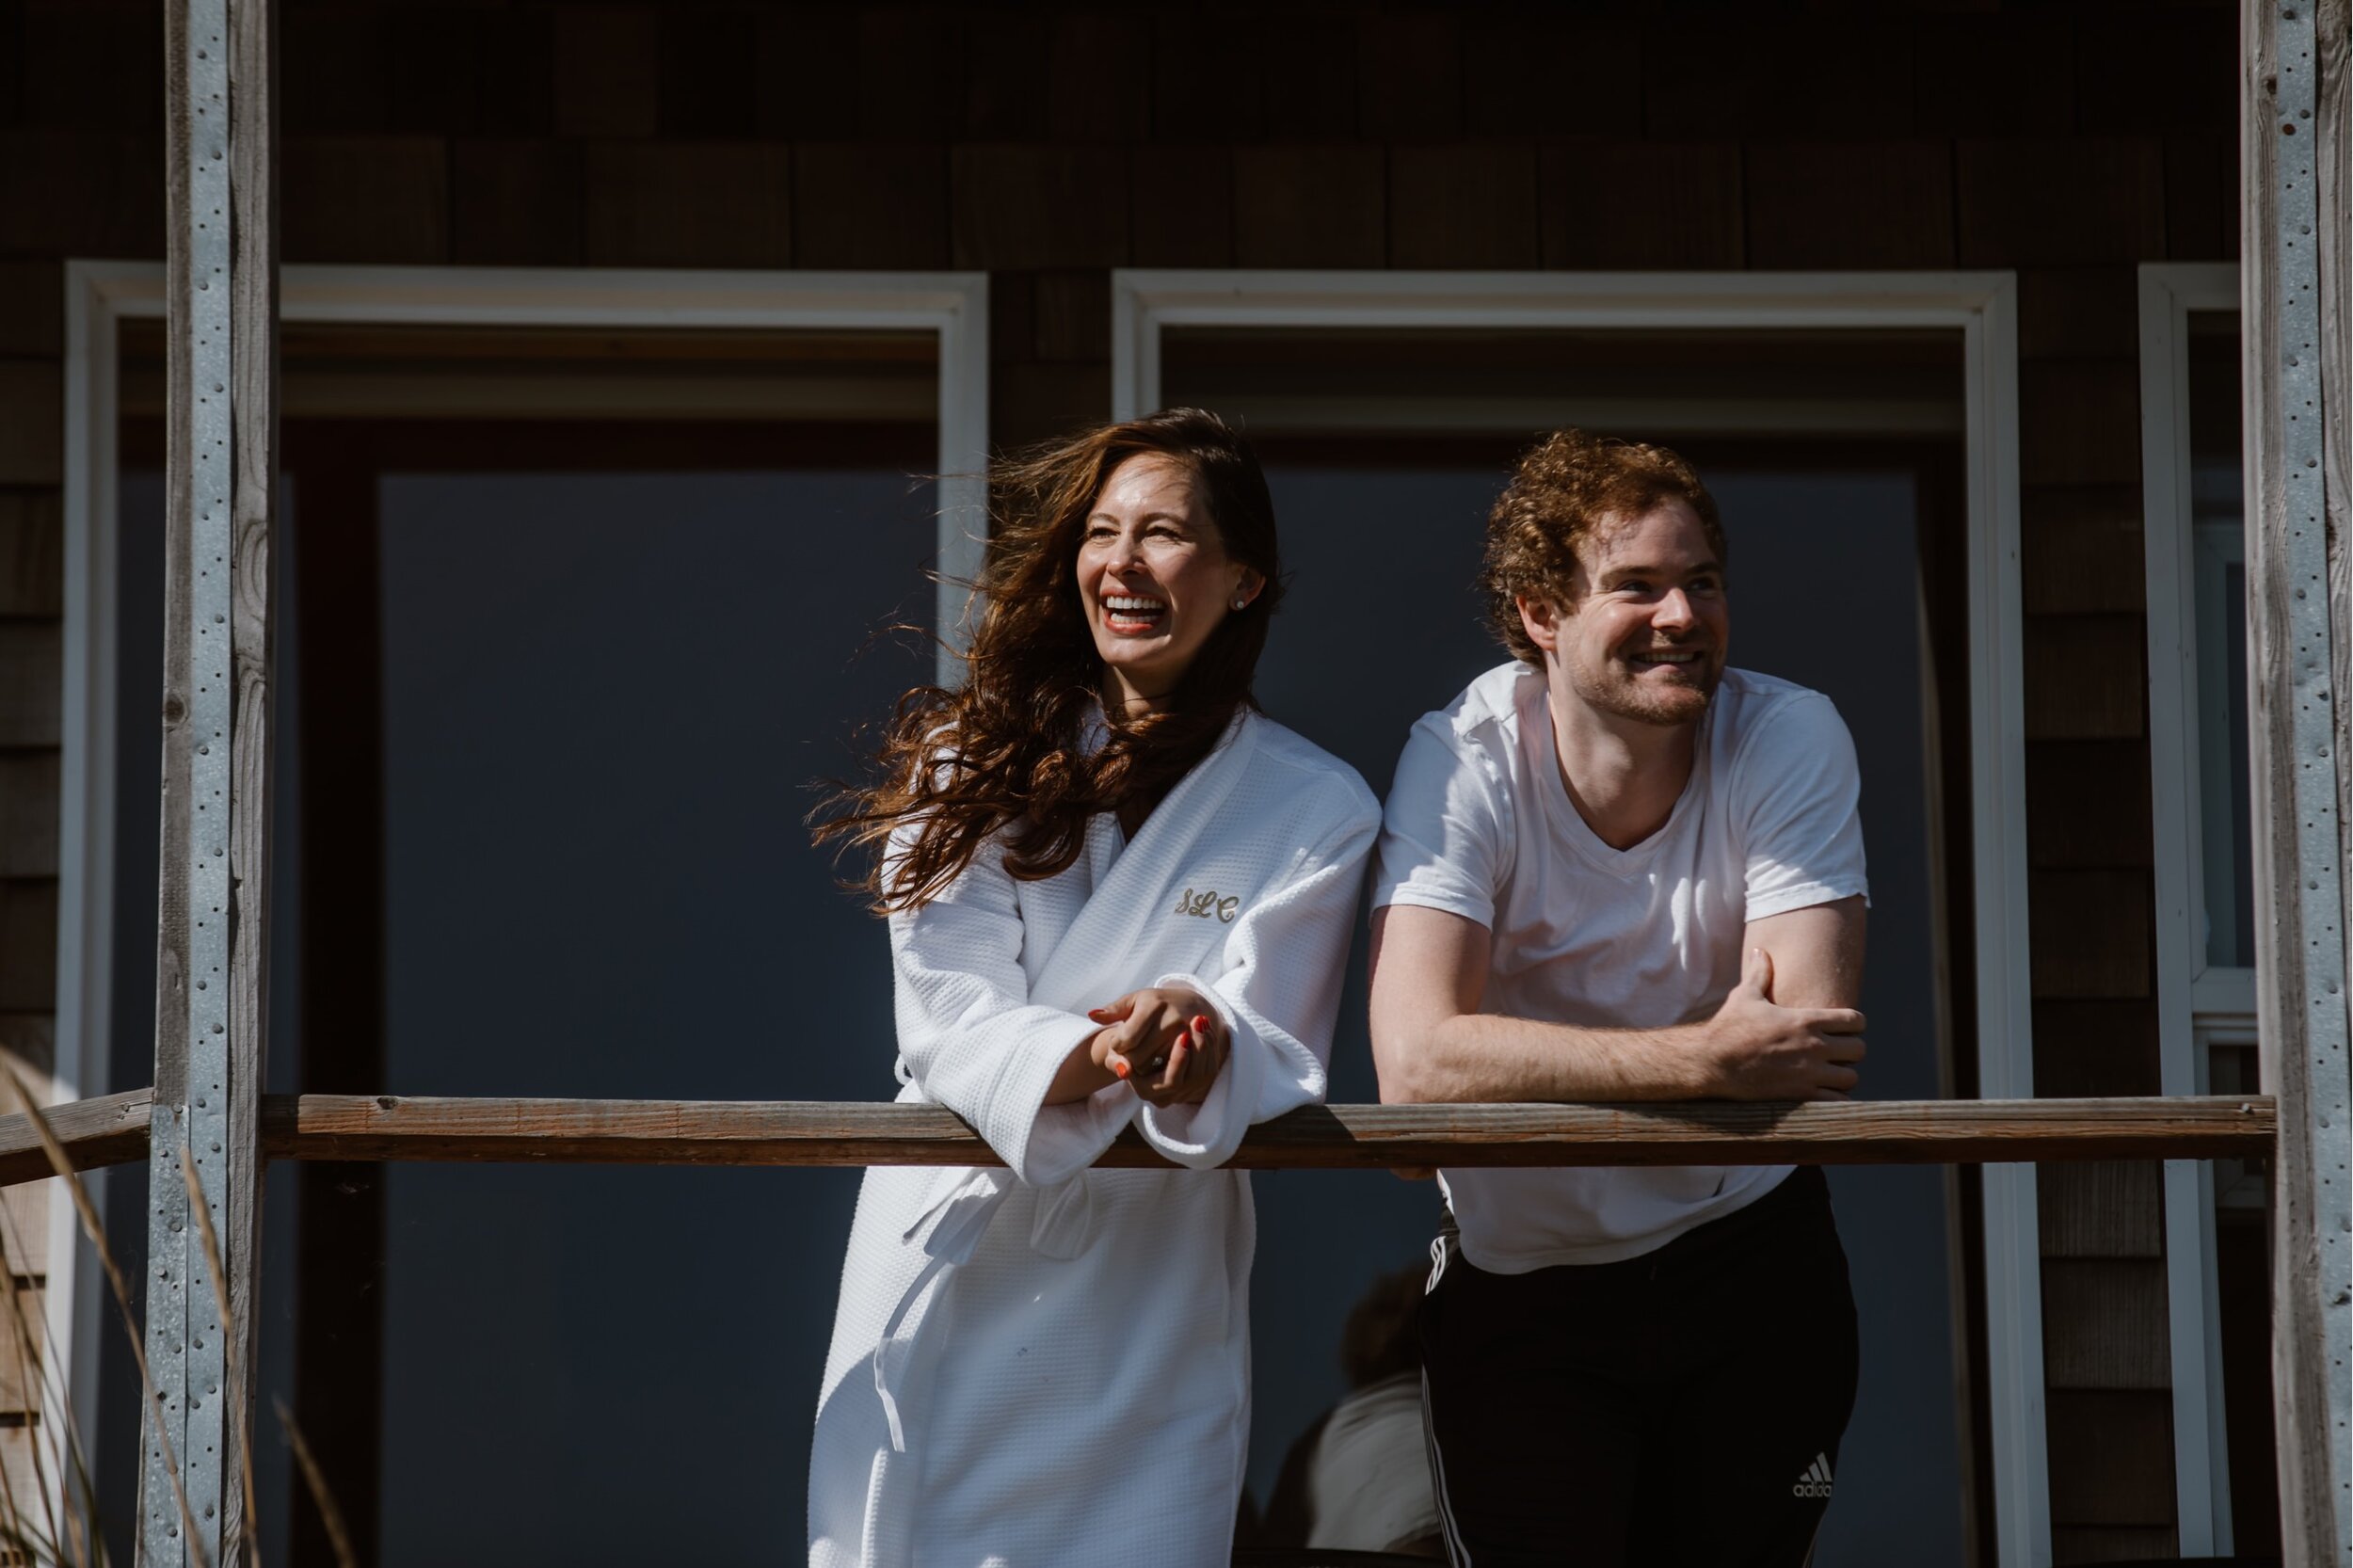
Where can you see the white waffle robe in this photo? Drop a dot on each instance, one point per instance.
(1047, 1364)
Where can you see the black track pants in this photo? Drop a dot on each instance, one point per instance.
(1682, 1407)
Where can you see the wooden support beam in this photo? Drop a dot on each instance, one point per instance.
(1336, 1137)
(2296, 139)
(212, 917)
(111, 1129)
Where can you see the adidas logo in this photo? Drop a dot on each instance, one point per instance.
(1816, 1482)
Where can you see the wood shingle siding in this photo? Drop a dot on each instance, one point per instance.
(2007, 74)
(517, 203)
(1072, 317)
(32, 542)
(500, 82)
(332, 67)
(1008, 84)
(353, 198)
(2090, 933)
(20, 1363)
(1463, 205)
(2104, 1323)
(30, 670)
(1308, 77)
(32, 412)
(100, 66)
(2079, 421)
(23, 1213)
(1741, 72)
(1638, 206)
(2119, 1444)
(32, 308)
(2061, 202)
(1866, 205)
(1022, 207)
(1310, 205)
(912, 71)
(726, 204)
(1097, 94)
(28, 813)
(2078, 313)
(2084, 676)
(2095, 1046)
(710, 74)
(29, 944)
(858, 206)
(608, 71)
(81, 193)
(2102, 1209)
(1409, 74)
(2202, 198)
(2158, 73)
(1201, 88)
(1544, 74)
(1185, 214)
(2088, 802)
(2081, 549)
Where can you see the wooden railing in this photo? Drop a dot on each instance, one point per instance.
(112, 1130)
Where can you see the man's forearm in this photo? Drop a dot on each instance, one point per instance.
(1431, 1044)
(1481, 1057)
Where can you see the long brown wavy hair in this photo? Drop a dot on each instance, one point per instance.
(1006, 750)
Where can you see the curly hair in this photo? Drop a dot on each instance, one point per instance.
(1006, 750)
(1565, 488)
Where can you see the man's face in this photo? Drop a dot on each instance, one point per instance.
(1645, 634)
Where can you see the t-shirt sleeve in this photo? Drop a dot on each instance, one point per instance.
(1800, 790)
(1445, 837)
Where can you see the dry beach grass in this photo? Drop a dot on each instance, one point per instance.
(61, 1525)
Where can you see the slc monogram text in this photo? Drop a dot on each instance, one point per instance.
(1207, 904)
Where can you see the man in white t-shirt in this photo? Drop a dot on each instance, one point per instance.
(1619, 869)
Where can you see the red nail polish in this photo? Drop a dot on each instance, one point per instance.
(1119, 1066)
(1201, 1023)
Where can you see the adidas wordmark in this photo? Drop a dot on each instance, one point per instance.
(1816, 1482)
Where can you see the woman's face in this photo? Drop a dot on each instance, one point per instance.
(1154, 578)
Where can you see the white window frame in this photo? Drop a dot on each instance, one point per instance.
(99, 294)
(1982, 307)
(2196, 1004)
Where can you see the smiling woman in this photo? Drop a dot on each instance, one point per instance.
(1154, 578)
(1183, 490)
(1118, 894)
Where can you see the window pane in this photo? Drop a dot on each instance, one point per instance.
(2219, 555)
(606, 697)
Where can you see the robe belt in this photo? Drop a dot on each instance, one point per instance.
(1062, 1228)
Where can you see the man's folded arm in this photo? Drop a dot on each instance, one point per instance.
(1432, 1043)
(1796, 1039)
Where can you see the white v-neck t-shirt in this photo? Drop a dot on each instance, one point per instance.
(1480, 824)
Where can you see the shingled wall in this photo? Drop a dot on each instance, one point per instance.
(1051, 144)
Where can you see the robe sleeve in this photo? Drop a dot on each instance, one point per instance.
(1278, 995)
(972, 1040)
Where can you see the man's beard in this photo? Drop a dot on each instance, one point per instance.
(1626, 695)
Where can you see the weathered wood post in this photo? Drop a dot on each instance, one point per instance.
(212, 947)
(2298, 226)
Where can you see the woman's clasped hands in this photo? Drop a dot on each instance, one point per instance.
(1166, 1043)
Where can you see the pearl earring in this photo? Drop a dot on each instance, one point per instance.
(1241, 602)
